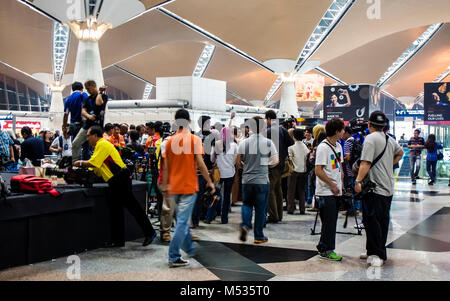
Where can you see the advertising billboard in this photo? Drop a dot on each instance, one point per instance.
(346, 102)
(309, 87)
(437, 103)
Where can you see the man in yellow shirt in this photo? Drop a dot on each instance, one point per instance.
(108, 164)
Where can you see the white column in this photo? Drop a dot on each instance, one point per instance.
(88, 65)
(56, 112)
(288, 103)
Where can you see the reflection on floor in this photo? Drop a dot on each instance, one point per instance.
(418, 249)
(431, 235)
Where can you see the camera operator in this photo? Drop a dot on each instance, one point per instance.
(108, 164)
(168, 206)
(73, 106)
(94, 112)
(376, 205)
(134, 144)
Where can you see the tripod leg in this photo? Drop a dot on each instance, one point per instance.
(313, 230)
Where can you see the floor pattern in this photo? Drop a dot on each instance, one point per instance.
(418, 249)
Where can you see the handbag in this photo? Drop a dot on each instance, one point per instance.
(440, 156)
(288, 168)
(215, 175)
(367, 186)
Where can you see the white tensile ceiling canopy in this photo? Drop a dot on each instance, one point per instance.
(152, 38)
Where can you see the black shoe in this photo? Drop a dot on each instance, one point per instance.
(179, 263)
(431, 183)
(291, 213)
(413, 182)
(271, 221)
(243, 236)
(148, 240)
(115, 244)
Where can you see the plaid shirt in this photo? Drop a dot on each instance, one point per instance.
(5, 143)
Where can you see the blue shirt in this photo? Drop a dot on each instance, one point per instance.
(33, 150)
(432, 156)
(73, 106)
(5, 143)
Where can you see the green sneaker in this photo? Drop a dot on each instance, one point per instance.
(332, 256)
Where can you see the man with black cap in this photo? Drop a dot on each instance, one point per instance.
(380, 153)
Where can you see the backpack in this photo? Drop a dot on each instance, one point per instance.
(28, 183)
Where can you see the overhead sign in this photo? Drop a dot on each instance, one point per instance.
(409, 113)
(34, 125)
(437, 103)
(346, 102)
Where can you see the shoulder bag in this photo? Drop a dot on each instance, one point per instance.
(367, 186)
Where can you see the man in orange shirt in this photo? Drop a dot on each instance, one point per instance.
(183, 155)
(156, 135)
(116, 139)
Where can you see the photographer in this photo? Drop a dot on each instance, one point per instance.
(73, 106)
(380, 153)
(107, 163)
(94, 112)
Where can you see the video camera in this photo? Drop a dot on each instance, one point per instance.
(358, 125)
(80, 175)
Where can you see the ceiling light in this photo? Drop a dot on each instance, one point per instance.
(203, 61)
(409, 53)
(147, 92)
(330, 19)
(60, 43)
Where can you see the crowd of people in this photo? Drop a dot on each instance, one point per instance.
(262, 164)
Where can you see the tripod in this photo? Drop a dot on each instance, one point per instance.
(359, 230)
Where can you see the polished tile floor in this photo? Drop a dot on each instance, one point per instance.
(418, 249)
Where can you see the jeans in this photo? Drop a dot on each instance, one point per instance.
(431, 169)
(255, 196)
(224, 205)
(414, 161)
(310, 188)
(328, 211)
(376, 217)
(198, 208)
(182, 238)
(276, 195)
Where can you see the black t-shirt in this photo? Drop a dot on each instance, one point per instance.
(47, 150)
(93, 109)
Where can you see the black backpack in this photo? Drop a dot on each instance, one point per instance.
(355, 153)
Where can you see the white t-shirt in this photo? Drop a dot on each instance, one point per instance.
(225, 162)
(66, 146)
(326, 157)
(298, 153)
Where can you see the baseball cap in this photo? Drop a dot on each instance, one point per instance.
(378, 118)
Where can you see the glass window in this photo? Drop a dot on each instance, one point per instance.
(23, 99)
(12, 94)
(3, 103)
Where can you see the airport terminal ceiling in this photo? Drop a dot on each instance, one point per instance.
(359, 49)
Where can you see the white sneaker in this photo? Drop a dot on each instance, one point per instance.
(370, 258)
(377, 262)
(363, 255)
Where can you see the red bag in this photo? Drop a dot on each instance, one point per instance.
(27, 183)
